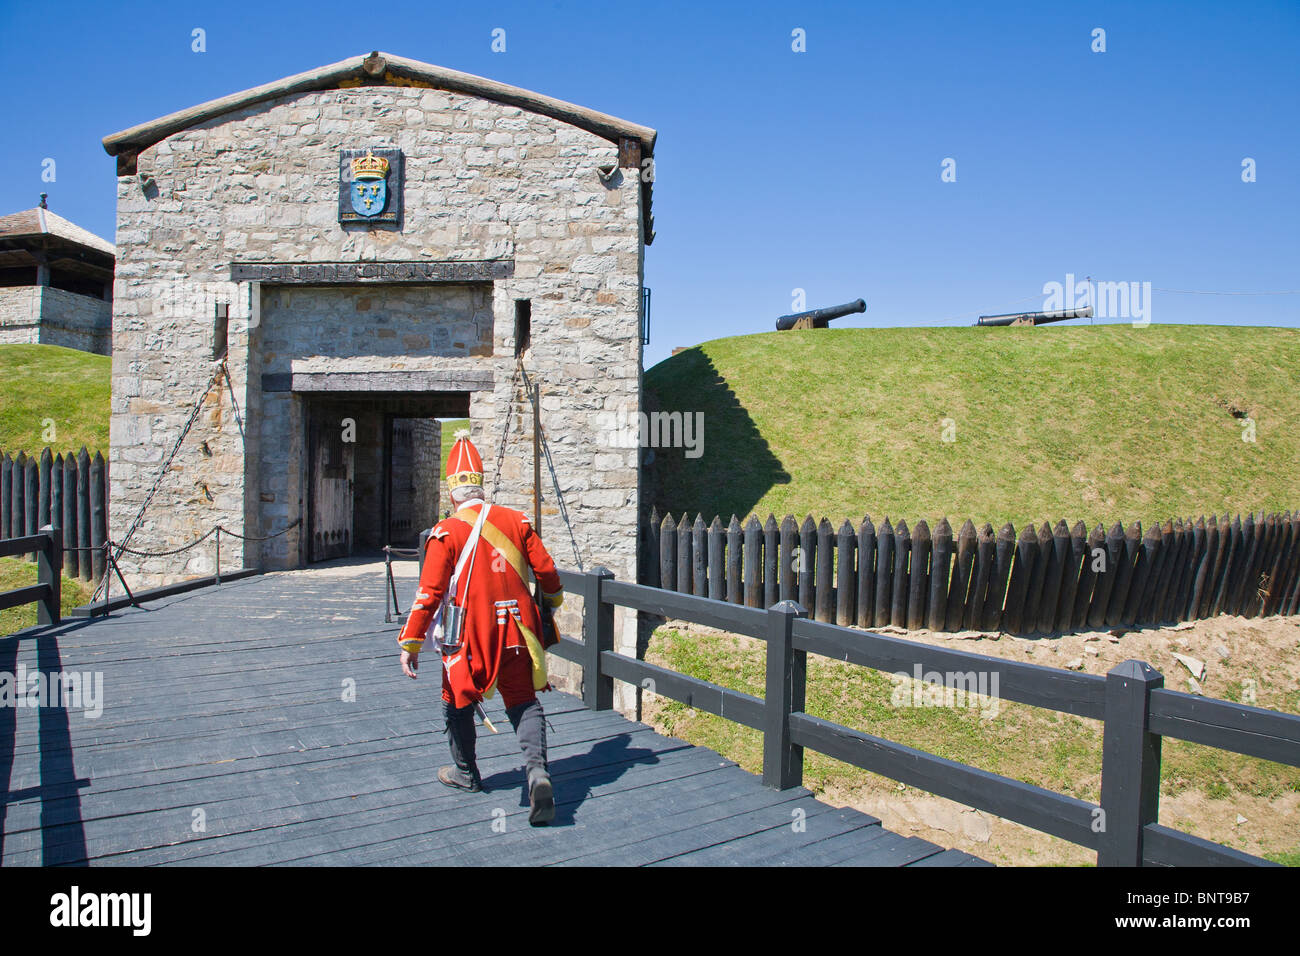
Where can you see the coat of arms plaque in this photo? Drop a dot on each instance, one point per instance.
(370, 185)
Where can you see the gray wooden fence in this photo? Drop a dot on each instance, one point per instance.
(70, 494)
(1045, 580)
(1136, 710)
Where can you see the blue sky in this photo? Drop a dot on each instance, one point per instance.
(778, 170)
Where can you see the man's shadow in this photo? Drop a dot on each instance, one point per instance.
(573, 778)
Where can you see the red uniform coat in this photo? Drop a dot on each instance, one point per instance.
(496, 632)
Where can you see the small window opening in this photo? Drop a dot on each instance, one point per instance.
(219, 330)
(523, 325)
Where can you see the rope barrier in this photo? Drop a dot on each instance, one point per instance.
(249, 537)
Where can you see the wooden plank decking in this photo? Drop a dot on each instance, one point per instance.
(227, 738)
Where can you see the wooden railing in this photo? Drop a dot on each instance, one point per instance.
(1136, 711)
(46, 593)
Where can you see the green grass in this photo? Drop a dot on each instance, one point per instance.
(449, 429)
(1094, 422)
(48, 387)
(17, 573)
(1285, 857)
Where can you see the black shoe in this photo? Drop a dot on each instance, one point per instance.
(541, 799)
(458, 779)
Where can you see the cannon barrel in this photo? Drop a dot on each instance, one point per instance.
(817, 318)
(1035, 318)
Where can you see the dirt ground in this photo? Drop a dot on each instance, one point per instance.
(1251, 661)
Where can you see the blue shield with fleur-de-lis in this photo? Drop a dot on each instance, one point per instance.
(369, 196)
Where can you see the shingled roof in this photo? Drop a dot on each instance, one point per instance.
(31, 223)
(376, 69)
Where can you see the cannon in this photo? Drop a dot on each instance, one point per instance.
(819, 318)
(1035, 318)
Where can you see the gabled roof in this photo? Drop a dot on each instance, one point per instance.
(377, 69)
(31, 223)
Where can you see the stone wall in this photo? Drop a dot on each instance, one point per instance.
(482, 181)
(48, 316)
(20, 311)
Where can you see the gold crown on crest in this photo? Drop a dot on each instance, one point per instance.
(369, 166)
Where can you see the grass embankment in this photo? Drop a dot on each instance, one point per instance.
(50, 395)
(1095, 422)
(17, 573)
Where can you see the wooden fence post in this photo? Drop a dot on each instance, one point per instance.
(771, 549)
(6, 496)
(699, 551)
(31, 500)
(597, 636)
(1070, 576)
(1105, 576)
(1152, 602)
(940, 563)
(17, 486)
(959, 581)
(1124, 579)
(1038, 578)
(1201, 560)
(846, 580)
(44, 496)
(866, 572)
(1130, 764)
(786, 686)
(652, 569)
(1004, 550)
(807, 561)
(884, 571)
(1093, 549)
(918, 583)
(49, 570)
(789, 574)
(1013, 618)
(982, 570)
(753, 570)
(667, 551)
(1232, 568)
(717, 562)
(83, 514)
(1277, 567)
(98, 516)
(1142, 575)
(735, 587)
(1053, 575)
(825, 572)
(1180, 586)
(684, 542)
(902, 551)
(1292, 575)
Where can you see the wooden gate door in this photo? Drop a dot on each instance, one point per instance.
(332, 469)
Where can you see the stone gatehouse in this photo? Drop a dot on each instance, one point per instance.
(323, 265)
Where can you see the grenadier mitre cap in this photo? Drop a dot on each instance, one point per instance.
(464, 466)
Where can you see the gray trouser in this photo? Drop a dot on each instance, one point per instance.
(528, 721)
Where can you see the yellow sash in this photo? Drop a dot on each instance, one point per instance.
(506, 548)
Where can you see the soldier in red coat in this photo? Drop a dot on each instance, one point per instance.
(500, 645)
